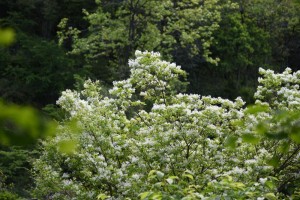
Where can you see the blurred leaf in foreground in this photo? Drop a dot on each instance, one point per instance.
(7, 36)
(21, 125)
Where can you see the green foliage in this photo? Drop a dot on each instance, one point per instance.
(116, 29)
(34, 66)
(280, 19)
(34, 70)
(172, 187)
(221, 45)
(242, 47)
(15, 166)
(239, 36)
(5, 195)
(258, 33)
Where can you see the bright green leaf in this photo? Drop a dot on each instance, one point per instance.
(144, 195)
(270, 196)
(102, 196)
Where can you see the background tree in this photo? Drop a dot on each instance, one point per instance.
(251, 35)
(178, 29)
(34, 69)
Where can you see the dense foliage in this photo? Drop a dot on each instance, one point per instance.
(148, 140)
(216, 41)
(47, 46)
(33, 69)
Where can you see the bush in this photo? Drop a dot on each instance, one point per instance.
(147, 140)
(5, 195)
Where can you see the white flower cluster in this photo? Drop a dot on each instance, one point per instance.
(281, 91)
(147, 125)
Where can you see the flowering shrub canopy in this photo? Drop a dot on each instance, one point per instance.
(146, 140)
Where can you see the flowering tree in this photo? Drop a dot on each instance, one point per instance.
(147, 140)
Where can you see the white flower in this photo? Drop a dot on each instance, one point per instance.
(67, 182)
(263, 180)
(238, 170)
(250, 162)
(135, 176)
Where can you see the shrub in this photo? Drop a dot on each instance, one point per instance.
(146, 139)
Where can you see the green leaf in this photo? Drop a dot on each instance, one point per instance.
(270, 196)
(270, 184)
(174, 177)
(231, 142)
(250, 194)
(152, 172)
(190, 176)
(250, 138)
(237, 185)
(261, 128)
(159, 184)
(256, 109)
(156, 196)
(102, 196)
(274, 161)
(295, 137)
(144, 195)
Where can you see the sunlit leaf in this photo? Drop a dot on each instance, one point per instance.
(102, 196)
(270, 196)
(156, 196)
(188, 176)
(237, 185)
(270, 184)
(144, 195)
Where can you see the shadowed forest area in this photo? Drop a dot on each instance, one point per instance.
(222, 47)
